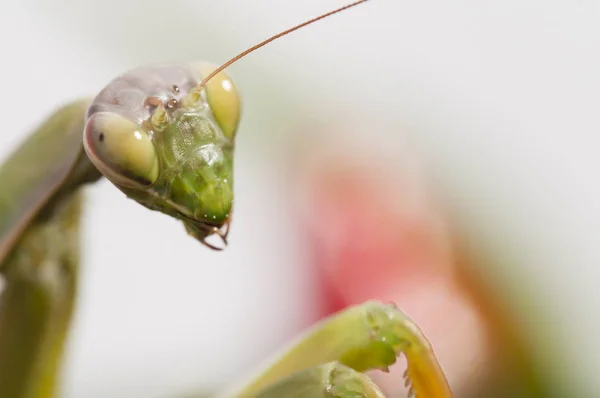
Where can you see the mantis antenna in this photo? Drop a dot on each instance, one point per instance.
(270, 39)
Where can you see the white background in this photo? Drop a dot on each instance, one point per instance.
(502, 97)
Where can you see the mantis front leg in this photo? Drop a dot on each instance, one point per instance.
(366, 337)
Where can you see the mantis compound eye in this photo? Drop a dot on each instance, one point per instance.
(121, 149)
(222, 96)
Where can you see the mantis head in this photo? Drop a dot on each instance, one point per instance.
(167, 142)
(165, 135)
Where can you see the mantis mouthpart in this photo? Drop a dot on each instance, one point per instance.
(165, 136)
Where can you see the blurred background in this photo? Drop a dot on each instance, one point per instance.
(442, 155)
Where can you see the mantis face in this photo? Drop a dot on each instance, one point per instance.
(168, 144)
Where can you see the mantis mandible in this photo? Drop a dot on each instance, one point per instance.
(164, 135)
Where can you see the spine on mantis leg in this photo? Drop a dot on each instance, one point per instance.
(39, 248)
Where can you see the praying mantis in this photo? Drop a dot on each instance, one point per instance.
(165, 136)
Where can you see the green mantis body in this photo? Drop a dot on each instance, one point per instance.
(39, 252)
(164, 135)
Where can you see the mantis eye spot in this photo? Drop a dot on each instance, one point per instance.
(101, 137)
